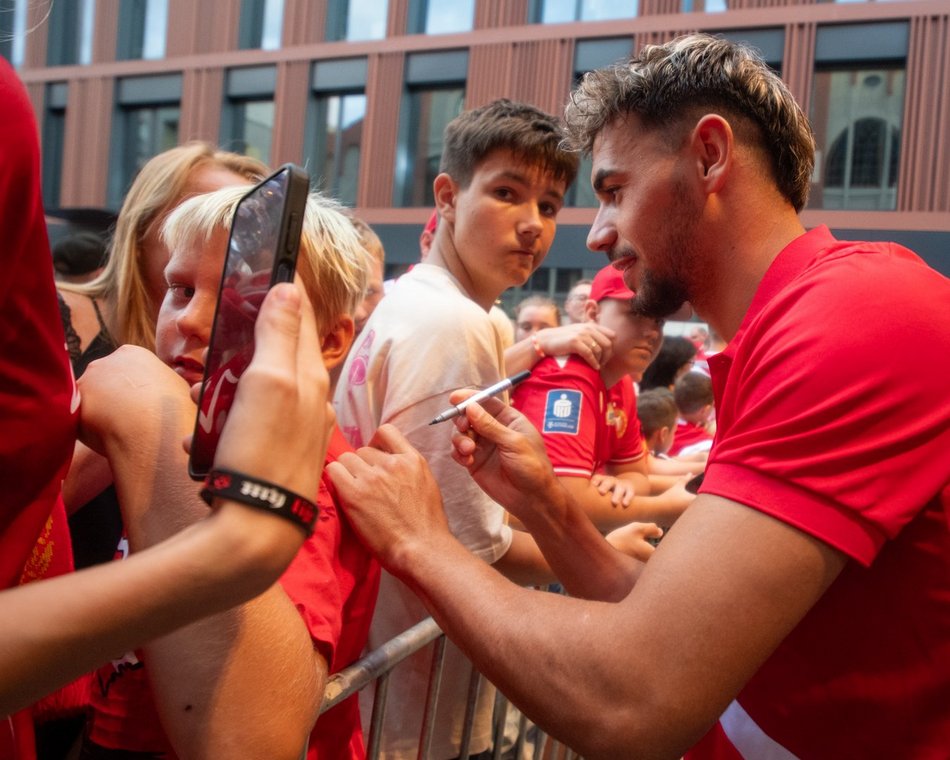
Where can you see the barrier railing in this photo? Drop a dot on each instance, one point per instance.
(526, 744)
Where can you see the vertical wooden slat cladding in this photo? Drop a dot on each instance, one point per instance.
(377, 162)
(659, 7)
(34, 56)
(398, 18)
(290, 111)
(798, 68)
(304, 22)
(500, 13)
(202, 95)
(183, 25)
(657, 38)
(106, 31)
(536, 72)
(490, 71)
(925, 148)
(218, 26)
(85, 152)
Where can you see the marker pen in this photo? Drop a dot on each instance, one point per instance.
(491, 390)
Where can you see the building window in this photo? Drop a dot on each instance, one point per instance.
(562, 11)
(261, 24)
(356, 19)
(146, 123)
(54, 136)
(336, 115)
(13, 30)
(69, 35)
(705, 6)
(858, 138)
(142, 29)
(435, 94)
(590, 55)
(857, 111)
(247, 123)
(336, 149)
(433, 17)
(430, 109)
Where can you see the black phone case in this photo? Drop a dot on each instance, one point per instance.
(282, 270)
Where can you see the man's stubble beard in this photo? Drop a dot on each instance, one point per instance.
(662, 290)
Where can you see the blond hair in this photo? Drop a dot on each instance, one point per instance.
(158, 187)
(665, 84)
(332, 263)
(370, 240)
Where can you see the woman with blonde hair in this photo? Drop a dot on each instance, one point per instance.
(121, 304)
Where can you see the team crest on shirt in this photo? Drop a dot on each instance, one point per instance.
(562, 412)
(617, 418)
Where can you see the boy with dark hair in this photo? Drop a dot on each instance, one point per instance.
(657, 412)
(693, 393)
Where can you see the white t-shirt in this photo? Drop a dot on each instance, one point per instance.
(426, 339)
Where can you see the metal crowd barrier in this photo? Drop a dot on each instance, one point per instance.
(378, 664)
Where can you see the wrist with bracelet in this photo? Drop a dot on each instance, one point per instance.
(261, 494)
(537, 346)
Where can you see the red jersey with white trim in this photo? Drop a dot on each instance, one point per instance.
(333, 582)
(584, 427)
(833, 416)
(691, 437)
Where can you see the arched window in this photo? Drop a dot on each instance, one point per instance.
(863, 161)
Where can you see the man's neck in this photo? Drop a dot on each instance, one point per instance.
(739, 266)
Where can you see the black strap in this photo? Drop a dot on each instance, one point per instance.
(269, 497)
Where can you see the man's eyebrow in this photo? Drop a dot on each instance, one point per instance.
(600, 178)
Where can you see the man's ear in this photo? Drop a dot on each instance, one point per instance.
(713, 145)
(445, 190)
(591, 311)
(337, 341)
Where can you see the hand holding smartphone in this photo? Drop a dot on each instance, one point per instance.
(262, 251)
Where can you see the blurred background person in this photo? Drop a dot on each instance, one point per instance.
(576, 300)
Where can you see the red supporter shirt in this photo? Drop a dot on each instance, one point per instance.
(333, 582)
(38, 399)
(689, 434)
(584, 426)
(818, 427)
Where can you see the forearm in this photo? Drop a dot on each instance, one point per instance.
(520, 356)
(575, 550)
(674, 467)
(607, 516)
(653, 671)
(56, 630)
(89, 475)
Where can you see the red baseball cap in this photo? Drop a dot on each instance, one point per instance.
(608, 283)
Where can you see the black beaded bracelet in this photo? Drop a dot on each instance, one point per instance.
(236, 486)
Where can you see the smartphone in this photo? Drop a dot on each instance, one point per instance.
(262, 251)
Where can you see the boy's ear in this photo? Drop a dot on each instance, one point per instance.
(445, 190)
(591, 310)
(337, 341)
